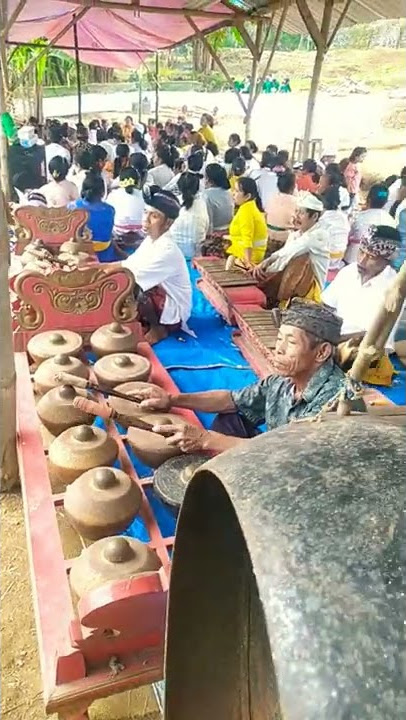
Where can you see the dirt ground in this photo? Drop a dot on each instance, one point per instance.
(21, 695)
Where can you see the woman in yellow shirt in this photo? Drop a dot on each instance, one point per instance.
(206, 129)
(248, 230)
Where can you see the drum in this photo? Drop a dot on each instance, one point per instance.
(287, 583)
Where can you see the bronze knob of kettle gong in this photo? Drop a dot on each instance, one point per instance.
(76, 450)
(56, 410)
(45, 374)
(113, 370)
(113, 338)
(54, 342)
(149, 447)
(111, 558)
(103, 501)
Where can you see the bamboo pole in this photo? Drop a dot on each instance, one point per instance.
(9, 22)
(8, 449)
(273, 48)
(254, 78)
(52, 42)
(77, 64)
(156, 86)
(218, 62)
(375, 338)
(339, 23)
(4, 174)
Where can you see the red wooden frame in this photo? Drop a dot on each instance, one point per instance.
(81, 300)
(122, 619)
(51, 225)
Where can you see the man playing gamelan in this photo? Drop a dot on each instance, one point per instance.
(306, 378)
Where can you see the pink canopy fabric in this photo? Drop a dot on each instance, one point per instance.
(107, 30)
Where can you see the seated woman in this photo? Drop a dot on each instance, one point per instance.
(128, 205)
(162, 171)
(332, 176)
(299, 268)
(336, 224)
(308, 178)
(248, 232)
(82, 161)
(238, 168)
(265, 178)
(190, 227)
(59, 191)
(101, 215)
(281, 210)
(220, 208)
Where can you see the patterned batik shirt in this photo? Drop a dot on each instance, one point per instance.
(272, 400)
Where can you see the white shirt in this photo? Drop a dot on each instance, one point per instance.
(313, 242)
(129, 209)
(335, 223)
(358, 303)
(267, 183)
(54, 150)
(373, 216)
(110, 150)
(393, 194)
(160, 262)
(59, 194)
(77, 176)
(191, 227)
(159, 175)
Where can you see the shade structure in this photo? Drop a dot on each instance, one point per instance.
(120, 33)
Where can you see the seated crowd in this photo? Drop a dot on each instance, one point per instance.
(168, 194)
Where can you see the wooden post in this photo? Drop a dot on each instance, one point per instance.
(256, 56)
(218, 62)
(8, 450)
(375, 338)
(156, 86)
(140, 93)
(51, 43)
(4, 174)
(77, 63)
(323, 42)
(273, 48)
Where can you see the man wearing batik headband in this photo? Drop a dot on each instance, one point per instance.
(357, 292)
(299, 268)
(305, 378)
(160, 270)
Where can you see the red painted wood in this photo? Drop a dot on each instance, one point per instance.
(75, 650)
(82, 305)
(52, 599)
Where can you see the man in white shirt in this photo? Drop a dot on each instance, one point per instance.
(55, 148)
(160, 270)
(308, 247)
(357, 291)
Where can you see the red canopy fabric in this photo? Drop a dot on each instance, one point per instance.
(107, 30)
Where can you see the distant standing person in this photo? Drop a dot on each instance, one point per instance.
(353, 174)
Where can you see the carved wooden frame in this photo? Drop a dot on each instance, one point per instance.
(81, 300)
(51, 225)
